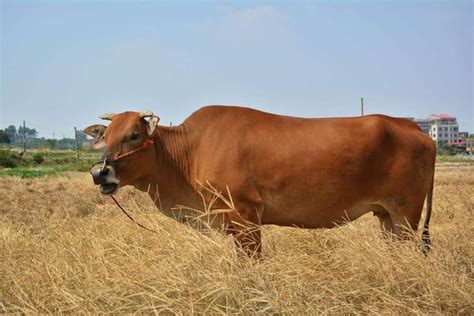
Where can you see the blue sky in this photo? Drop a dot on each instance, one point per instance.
(65, 62)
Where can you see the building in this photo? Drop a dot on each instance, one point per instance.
(461, 140)
(444, 128)
(463, 136)
(424, 125)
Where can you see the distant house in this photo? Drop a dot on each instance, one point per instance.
(461, 140)
(444, 128)
(463, 136)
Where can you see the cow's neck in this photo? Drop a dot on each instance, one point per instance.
(174, 149)
(173, 159)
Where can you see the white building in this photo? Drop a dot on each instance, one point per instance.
(444, 128)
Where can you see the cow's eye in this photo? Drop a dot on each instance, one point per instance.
(134, 136)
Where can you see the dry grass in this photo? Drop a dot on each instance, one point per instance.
(64, 248)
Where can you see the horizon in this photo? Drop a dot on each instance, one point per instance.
(54, 136)
(65, 63)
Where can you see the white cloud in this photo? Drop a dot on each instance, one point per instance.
(253, 18)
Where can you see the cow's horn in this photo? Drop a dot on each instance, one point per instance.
(107, 116)
(146, 113)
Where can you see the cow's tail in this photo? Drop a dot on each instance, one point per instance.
(425, 236)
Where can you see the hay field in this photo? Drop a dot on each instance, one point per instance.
(65, 248)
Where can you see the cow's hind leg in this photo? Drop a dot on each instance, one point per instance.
(386, 223)
(405, 217)
(405, 223)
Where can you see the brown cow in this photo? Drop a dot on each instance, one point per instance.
(281, 170)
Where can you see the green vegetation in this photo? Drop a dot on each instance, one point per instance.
(445, 158)
(443, 149)
(52, 143)
(12, 136)
(41, 163)
(4, 139)
(7, 159)
(27, 173)
(38, 158)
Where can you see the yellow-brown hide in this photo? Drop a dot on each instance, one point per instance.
(288, 171)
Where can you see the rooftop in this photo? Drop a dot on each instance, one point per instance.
(440, 116)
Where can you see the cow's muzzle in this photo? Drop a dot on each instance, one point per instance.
(105, 177)
(108, 188)
(99, 175)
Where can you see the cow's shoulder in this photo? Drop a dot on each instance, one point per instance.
(217, 117)
(394, 121)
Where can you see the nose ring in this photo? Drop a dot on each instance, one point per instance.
(103, 166)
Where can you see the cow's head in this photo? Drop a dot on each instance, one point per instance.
(126, 141)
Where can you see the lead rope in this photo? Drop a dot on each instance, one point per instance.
(146, 144)
(130, 217)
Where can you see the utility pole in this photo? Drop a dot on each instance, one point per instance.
(362, 106)
(77, 144)
(24, 137)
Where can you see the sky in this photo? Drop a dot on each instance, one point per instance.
(63, 63)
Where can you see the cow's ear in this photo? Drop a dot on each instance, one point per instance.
(97, 131)
(152, 124)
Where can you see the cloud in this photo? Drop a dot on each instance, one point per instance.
(253, 18)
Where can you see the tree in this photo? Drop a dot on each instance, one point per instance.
(52, 143)
(4, 138)
(11, 132)
(32, 132)
(66, 143)
(81, 136)
(444, 149)
(29, 132)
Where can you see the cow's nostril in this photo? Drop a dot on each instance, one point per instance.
(105, 171)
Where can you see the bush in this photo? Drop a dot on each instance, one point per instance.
(29, 173)
(7, 160)
(38, 158)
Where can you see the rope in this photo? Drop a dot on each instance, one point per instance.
(130, 217)
(147, 143)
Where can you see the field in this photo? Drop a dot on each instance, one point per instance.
(43, 162)
(65, 248)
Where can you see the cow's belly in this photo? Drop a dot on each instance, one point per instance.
(311, 212)
(315, 218)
